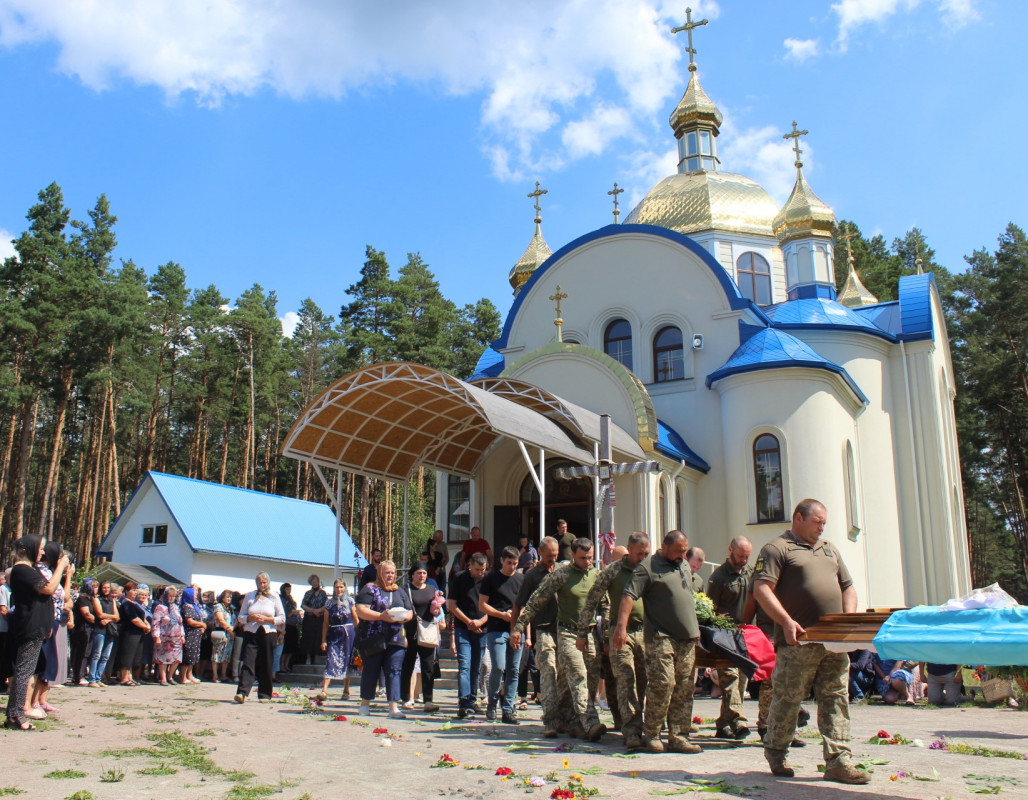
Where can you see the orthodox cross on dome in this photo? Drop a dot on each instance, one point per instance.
(688, 28)
(795, 136)
(918, 261)
(616, 191)
(559, 321)
(537, 194)
(847, 236)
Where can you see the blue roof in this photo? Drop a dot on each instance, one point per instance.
(822, 313)
(735, 299)
(671, 444)
(886, 316)
(490, 365)
(768, 348)
(233, 521)
(915, 299)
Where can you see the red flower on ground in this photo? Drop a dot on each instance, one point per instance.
(340, 718)
(504, 771)
(697, 720)
(883, 734)
(562, 794)
(380, 730)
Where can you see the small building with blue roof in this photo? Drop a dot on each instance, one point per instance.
(220, 537)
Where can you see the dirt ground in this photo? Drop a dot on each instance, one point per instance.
(194, 742)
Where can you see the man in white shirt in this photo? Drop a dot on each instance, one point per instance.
(261, 614)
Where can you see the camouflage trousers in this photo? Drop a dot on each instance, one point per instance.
(767, 690)
(628, 666)
(800, 667)
(733, 689)
(580, 672)
(670, 682)
(553, 692)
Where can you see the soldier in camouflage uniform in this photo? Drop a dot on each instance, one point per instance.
(799, 578)
(628, 664)
(663, 583)
(570, 584)
(558, 712)
(729, 591)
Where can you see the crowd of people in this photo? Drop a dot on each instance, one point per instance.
(624, 634)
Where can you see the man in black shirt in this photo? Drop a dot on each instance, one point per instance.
(496, 596)
(468, 630)
(370, 572)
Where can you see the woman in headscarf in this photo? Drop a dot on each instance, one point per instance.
(194, 624)
(260, 615)
(313, 606)
(143, 671)
(383, 608)
(106, 612)
(222, 636)
(337, 638)
(82, 633)
(134, 629)
(168, 636)
(31, 599)
(55, 648)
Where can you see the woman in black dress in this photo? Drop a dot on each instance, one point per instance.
(33, 617)
(134, 629)
(313, 606)
(193, 622)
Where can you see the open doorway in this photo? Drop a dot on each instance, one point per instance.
(567, 499)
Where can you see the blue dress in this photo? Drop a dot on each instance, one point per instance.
(340, 636)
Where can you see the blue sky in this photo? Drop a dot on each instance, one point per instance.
(269, 141)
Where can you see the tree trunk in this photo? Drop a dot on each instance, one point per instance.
(61, 413)
(28, 436)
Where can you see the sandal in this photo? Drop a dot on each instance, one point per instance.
(321, 696)
(19, 725)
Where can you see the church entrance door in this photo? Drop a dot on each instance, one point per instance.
(567, 499)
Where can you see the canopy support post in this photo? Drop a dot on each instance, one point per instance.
(539, 481)
(335, 497)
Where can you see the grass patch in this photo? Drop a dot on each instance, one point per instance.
(979, 750)
(119, 715)
(81, 794)
(205, 732)
(6, 791)
(64, 774)
(158, 769)
(242, 792)
(176, 747)
(112, 776)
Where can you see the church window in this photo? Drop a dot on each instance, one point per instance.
(698, 150)
(767, 470)
(458, 508)
(668, 355)
(617, 342)
(754, 278)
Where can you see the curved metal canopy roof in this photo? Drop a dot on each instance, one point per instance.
(387, 419)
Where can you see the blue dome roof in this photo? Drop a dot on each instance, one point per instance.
(670, 443)
(490, 365)
(820, 312)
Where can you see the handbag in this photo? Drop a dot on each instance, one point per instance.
(218, 636)
(428, 632)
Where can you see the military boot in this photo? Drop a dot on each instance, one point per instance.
(845, 772)
(679, 744)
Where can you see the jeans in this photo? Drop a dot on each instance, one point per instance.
(469, 662)
(505, 668)
(99, 651)
(390, 661)
(276, 658)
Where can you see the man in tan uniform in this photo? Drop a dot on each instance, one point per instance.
(729, 590)
(628, 664)
(800, 577)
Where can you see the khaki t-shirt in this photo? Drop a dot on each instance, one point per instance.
(666, 592)
(729, 590)
(808, 579)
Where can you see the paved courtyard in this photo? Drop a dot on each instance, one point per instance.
(193, 742)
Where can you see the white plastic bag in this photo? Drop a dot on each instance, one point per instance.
(987, 597)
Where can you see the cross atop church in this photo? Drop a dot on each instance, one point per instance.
(559, 321)
(688, 27)
(616, 191)
(847, 236)
(537, 194)
(795, 136)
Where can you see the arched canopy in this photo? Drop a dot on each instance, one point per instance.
(387, 419)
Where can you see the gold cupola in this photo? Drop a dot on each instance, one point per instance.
(696, 121)
(804, 214)
(854, 294)
(537, 251)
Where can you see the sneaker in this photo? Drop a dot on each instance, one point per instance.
(429, 707)
(397, 715)
(408, 705)
(239, 698)
(679, 744)
(846, 773)
(83, 682)
(490, 713)
(365, 710)
(595, 732)
(510, 718)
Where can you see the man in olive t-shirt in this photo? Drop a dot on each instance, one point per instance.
(729, 591)
(670, 631)
(799, 578)
(565, 541)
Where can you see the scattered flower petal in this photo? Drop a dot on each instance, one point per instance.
(504, 771)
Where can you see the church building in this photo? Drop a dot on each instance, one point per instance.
(707, 326)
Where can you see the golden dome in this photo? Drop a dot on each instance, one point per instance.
(694, 106)
(703, 201)
(854, 293)
(536, 253)
(804, 214)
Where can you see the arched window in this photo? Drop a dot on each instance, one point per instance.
(668, 355)
(767, 472)
(754, 278)
(617, 341)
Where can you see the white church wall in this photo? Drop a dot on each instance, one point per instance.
(216, 571)
(147, 509)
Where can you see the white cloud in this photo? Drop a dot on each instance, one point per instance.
(645, 169)
(557, 80)
(289, 322)
(801, 50)
(763, 155)
(855, 13)
(6, 248)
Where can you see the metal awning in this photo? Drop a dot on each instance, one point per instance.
(387, 419)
